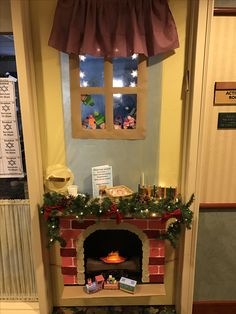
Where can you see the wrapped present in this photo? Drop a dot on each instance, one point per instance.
(128, 285)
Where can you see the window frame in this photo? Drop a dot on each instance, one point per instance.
(108, 90)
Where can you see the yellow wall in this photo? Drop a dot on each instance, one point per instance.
(171, 107)
(48, 82)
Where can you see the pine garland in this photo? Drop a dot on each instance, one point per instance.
(137, 206)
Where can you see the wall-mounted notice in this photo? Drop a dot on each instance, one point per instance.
(10, 151)
(225, 93)
(227, 120)
(101, 179)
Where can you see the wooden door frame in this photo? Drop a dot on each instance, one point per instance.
(201, 13)
(30, 124)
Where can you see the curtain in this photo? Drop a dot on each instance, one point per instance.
(115, 28)
(17, 280)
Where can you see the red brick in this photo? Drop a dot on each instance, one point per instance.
(78, 224)
(70, 233)
(65, 223)
(69, 271)
(156, 224)
(67, 261)
(68, 252)
(156, 269)
(161, 269)
(153, 269)
(151, 234)
(154, 252)
(69, 244)
(140, 223)
(156, 278)
(157, 260)
(69, 280)
(156, 243)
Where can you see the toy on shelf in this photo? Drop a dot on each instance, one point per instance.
(111, 283)
(128, 285)
(94, 286)
(99, 281)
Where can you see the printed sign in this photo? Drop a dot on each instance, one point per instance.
(10, 150)
(227, 120)
(225, 93)
(101, 179)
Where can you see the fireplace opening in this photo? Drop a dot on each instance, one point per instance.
(113, 252)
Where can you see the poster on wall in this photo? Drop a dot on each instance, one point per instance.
(10, 150)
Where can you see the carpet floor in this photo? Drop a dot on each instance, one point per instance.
(159, 309)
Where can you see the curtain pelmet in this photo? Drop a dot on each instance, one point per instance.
(113, 27)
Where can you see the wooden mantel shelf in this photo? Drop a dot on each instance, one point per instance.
(112, 297)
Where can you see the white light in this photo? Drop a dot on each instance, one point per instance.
(134, 56)
(132, 84)
(117, 95)
(82, 58)
(82, 74)
(134, 73)
(117, 83)
(84, 83)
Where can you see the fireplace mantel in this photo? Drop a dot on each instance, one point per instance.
(68, 270)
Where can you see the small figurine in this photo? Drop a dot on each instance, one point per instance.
(87, 100)
(99, 120)
(91, 122)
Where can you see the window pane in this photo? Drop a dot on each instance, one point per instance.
(91, 71)
(93, 111)
(125, 107)
(125, 71)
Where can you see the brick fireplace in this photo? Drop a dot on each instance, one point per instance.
(75, 232)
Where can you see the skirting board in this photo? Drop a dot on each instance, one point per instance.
(214, 307)
(19, 307)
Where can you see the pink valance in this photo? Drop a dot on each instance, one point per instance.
(113, 27)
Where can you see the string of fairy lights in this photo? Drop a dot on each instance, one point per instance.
(82, 206)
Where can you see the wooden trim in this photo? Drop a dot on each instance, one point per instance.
(20, 12)
(213, 307)
(200, 28)
(108, 90)
(217, 205)
(224, 11)
(225, 85)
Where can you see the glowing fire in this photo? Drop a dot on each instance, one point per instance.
(113, 257)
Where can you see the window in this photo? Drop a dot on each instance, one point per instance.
(108, 97)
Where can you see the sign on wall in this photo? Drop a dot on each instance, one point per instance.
(225, 93)
(10, 150)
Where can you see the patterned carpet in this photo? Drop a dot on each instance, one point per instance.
(159, 309)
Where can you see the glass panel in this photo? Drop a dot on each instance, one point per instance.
(11, 187)
(125, 71)
(91, 71)
(93, 111)
(125, 107)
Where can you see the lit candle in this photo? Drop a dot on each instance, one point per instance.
(142, 179)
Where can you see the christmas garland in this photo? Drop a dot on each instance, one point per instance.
(136, 206)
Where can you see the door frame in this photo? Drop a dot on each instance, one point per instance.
(30, 124)
(200, 17)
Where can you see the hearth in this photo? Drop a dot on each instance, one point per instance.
(113, 252)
